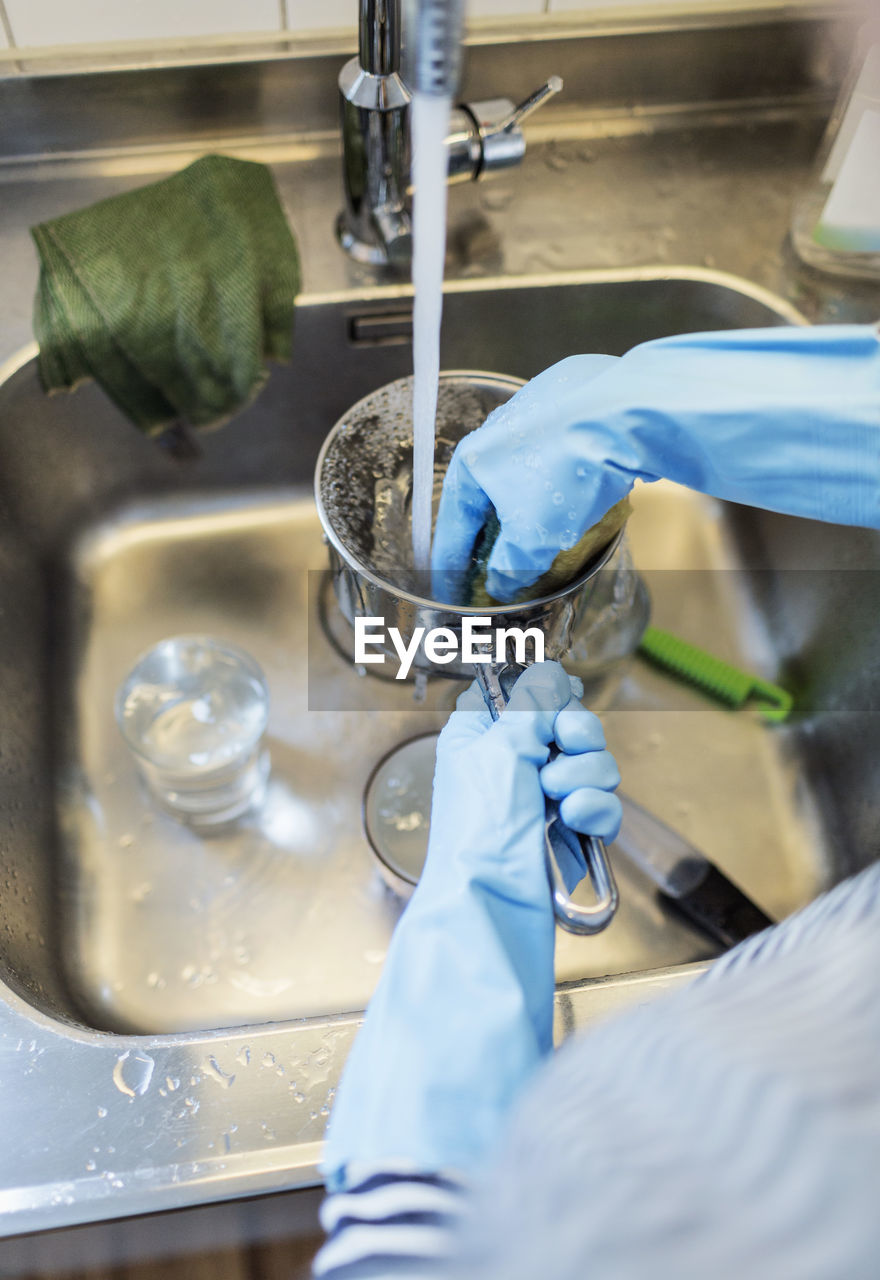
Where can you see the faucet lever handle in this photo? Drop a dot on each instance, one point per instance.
(487, 135)
(528, 105)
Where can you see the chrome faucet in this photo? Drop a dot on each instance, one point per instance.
(374, 225)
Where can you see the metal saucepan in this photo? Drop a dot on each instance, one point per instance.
(363, 487)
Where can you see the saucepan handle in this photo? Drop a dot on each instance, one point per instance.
(495, 683)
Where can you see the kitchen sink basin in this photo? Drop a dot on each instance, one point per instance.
(116, 918)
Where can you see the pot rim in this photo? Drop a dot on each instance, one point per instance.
(423, 602)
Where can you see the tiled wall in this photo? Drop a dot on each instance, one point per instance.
(61, 22)
(72, 24)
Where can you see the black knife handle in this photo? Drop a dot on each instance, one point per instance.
(721, 909)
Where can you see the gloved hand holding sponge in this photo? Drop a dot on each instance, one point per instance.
(785, 418)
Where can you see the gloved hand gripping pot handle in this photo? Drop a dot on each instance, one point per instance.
(561, 844)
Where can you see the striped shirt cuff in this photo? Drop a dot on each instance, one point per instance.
(389, 1224)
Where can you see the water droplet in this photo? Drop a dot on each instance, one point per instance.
(90, 1166)
(126, 841)
(268, 1060)
(133, 1073)
(102, 1111)
(496, 198)
(214, 1071)
(555, 158)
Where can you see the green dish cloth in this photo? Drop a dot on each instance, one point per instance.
(172, 296)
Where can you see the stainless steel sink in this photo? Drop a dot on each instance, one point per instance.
(147, 963)
(116, 916)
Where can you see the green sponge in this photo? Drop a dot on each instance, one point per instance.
(567, 566)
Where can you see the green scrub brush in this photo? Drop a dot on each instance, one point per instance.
(719, 679)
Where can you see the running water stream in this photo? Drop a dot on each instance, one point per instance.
(430, 124)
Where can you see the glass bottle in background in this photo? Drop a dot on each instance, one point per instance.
(836, 222)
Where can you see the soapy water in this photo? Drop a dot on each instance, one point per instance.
(194, 709)
(207, 731)
(430, 123)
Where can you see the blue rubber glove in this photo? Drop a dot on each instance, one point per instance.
(785, 418)
(463, 1013)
